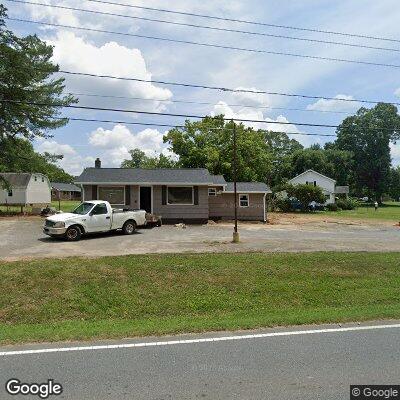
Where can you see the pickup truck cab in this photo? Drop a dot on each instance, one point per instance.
(93, 216)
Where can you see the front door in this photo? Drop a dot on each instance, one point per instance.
(145, 198)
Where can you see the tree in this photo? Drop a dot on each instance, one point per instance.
(139, 159)
(306, 194)
(337, 164)
(368, 135)
(27, 89)
(281, 148)
(394, 183)
(18, 155)
(208, 144)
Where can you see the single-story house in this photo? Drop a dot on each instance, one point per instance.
(328, 185)
(65, 191)
(25, 189)
(190, 195)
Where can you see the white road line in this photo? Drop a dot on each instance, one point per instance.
(201, 340)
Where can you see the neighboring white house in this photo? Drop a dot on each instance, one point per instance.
(311, 177)
(26, 189)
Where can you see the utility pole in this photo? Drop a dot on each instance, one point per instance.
(235, 230)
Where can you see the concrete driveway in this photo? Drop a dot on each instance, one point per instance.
(23, 238)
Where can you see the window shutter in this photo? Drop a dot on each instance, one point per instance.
(127, 195)
(94, 192)
(163, 195)
(196, 195)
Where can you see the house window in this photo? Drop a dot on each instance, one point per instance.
(42, 179)
(35, 178)
(182, 195)
(243, 200)
(212, 191)
(10, 193)
(315, 183)
(113, 194)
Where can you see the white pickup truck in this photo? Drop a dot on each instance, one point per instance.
(93, 216)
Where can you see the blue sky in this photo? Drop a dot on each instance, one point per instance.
(99, 53)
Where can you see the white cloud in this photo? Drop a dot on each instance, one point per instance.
(254, 114)
(397, 92)
(75, 54)
(72, 162)
(251, 99)
(335, 105)
(114, 144)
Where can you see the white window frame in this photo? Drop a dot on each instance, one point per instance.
(248, 200)
(180, 204)
(116, 186)
(10, 193)
(212, 191)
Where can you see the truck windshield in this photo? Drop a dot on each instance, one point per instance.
(83, 208)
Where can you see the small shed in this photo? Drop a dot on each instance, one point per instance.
(25, 189)
(65, 191)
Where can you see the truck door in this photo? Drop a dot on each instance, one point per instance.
(99, 219)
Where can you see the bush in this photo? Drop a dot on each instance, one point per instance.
(305, 194)
(332, 207)
(284, 205)
(347, 204)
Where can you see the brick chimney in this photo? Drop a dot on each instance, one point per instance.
(97, 163)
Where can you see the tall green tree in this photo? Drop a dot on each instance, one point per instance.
(368, 135)
(209, 144)
(139, 159)
(281, 148)
(26, 80)
(18, 155)
(337, 164)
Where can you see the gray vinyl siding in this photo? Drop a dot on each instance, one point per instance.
(87, 192)
(181, 212)
(223, 206)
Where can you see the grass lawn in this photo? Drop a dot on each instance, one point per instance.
(114, 297)
(388, 211)
(66, 206)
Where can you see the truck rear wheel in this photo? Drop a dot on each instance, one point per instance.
(73, 233)
(129, 227)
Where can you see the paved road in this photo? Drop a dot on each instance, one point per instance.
(24, 238)
(305, 366)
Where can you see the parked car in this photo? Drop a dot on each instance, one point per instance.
(93, 216)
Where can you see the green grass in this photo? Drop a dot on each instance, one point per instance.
(387, 212)
(112, 297)
(66, 206)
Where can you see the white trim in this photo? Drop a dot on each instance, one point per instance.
(315, 172)
(264, 200)
(152, 197)
(119, 186)
(248, 200)
(213, 339)
(181, 204)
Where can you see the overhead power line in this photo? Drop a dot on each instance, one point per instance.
(220, 46)
(205, 103)
(242, 21)
(122, 110)
(206, 27)
(181, 126)
(223, 89)
(242, 120)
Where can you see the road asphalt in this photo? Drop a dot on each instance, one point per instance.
(23, 238)
(283, 363)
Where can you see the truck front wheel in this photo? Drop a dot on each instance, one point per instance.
(73, 234)
(129, 227)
